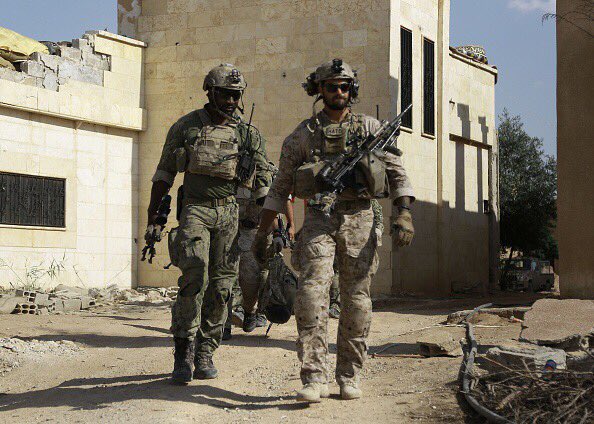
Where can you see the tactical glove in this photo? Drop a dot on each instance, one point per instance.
(260, 247)
(402, 227)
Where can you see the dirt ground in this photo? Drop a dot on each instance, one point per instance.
(119, 371)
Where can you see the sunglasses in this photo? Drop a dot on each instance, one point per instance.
(333, 88)
(235, 94)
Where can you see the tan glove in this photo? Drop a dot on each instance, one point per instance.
(260, 247)
(402, 227)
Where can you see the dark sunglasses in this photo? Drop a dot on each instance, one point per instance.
(333, 88)
(236, 94)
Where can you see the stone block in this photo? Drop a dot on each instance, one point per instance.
(8, 304)
(77, 71)
(566, 324)
(72, 304)
(50, 81)
(95, 61)
(48, 60)
(40, 299)
(80, 43)
(70, 53)
(521, 355)
(33, 68)
(439, 343)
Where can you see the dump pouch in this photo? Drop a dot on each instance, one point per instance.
(304, 181)
(370, 173)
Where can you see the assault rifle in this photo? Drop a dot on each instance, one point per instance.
(333, 176)
(155, 235)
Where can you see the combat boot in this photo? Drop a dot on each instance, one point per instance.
(183, 357)
(227, 333)
(250, 322)
(261, 320)
(350, 391)
(204, 368)
(313, 392)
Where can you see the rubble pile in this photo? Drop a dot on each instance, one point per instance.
(54, 64)
(69, 299)
(546, 376)
(15, 351)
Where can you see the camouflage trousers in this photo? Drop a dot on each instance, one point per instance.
(208, 257)
(251, 279)
(349, 235)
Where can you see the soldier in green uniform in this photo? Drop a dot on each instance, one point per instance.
(211, 146)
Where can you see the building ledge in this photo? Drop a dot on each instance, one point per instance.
(120, 38)
(463, 58)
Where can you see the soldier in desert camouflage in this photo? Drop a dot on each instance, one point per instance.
(347, 233)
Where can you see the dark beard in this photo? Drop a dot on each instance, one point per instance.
(335, 106)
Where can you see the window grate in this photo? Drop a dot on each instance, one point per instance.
(428, 87)
(29, 200)
(406, 77)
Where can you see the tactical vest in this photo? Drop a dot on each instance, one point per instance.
(369, 179)
(206, 155)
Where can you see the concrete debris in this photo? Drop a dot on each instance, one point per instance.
(14, 351)
(68, 61)
(582, 361)
(513, 313)
(566, 324)
(437, 342)
(523, 355)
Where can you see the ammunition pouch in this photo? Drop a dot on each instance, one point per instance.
(305, 184)
(173, 246)
(207, 155)
(371, 176)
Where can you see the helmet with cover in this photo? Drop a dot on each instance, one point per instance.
(224, 76)
(333, 69)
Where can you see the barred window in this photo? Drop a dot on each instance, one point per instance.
(406, 75)
(30, 200)
(428, 87)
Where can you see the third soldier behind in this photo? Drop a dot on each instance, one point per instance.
(348, 233)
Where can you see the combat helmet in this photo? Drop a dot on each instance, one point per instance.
(224, 76)
(333, 69)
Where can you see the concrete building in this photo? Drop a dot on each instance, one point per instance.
(400, 48)
(69, 129)
(575, 150)
(402, 53)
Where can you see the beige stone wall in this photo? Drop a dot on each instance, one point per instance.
(87, 134)
(276, 44)
(575, 154)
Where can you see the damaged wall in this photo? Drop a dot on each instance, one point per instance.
(75, 117)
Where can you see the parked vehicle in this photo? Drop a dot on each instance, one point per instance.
(529, 274)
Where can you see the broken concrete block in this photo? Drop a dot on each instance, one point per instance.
(50, 81)
(521, 355)
(79, 72)
(33, 68)
(70, 53)
(80, 43)
(8, 304)
(87, 302)
(439, 343)
(48, 60)
(515, 311)
(72, 304)
(58, 305)
(41, 299)
(582, 361)
(565, 324)
(25, 308)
